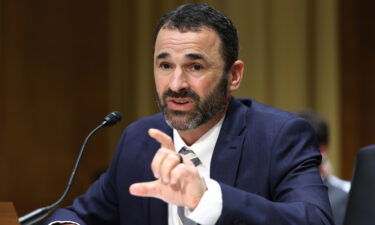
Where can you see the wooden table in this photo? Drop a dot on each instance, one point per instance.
(8, 214)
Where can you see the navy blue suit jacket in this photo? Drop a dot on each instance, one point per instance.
(265, 160)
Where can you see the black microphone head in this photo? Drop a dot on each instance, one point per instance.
(112, 118)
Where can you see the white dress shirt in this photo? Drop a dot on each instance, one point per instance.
(209, 208)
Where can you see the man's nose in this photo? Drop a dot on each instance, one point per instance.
(179, 80)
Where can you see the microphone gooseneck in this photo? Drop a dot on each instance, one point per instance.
(38, 214)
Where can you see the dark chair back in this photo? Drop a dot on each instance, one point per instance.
(361, 203)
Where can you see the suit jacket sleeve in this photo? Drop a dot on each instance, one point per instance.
(295, 192)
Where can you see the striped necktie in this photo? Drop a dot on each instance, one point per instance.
(191, 155)
(181, 210)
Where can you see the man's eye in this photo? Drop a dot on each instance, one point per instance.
(197, 67)
(165, 66)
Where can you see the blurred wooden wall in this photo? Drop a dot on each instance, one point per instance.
(53, 91)
(357, 69)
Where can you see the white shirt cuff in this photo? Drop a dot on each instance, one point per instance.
(209, 208)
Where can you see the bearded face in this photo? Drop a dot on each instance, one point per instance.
(205, 107)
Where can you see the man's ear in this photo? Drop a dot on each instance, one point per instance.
(235, 75)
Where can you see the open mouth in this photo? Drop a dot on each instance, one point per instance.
(180, 101)
(181, 104)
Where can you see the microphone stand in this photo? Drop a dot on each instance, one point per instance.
(38, 214)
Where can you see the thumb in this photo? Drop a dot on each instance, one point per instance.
(145, 189)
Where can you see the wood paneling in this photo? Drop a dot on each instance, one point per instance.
(357, 64)
(54, 90)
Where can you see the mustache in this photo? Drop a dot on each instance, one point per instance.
(181, 94)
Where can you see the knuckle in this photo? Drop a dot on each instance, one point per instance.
(163, 151)
(172, 156)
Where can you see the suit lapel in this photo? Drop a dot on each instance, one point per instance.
(158, 211)
(228, 149)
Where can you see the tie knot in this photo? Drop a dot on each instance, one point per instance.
(191, 155)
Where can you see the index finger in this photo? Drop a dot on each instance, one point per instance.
(164, 140)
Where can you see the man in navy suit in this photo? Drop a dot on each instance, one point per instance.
(252, 164)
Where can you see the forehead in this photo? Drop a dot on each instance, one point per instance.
(204, 40)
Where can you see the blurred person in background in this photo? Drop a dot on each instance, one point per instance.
(338, 189)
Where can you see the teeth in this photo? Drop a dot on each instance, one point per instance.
(181, 101)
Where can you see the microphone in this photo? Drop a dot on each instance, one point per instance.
(111, 119)
(38, 214)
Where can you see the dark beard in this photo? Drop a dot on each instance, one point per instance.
(205, 110)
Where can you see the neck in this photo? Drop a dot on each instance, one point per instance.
(191, 136)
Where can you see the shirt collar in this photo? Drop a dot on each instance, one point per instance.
(204, 146)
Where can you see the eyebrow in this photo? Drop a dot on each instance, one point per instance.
(196, 56)
(163, 55)
(192, 56)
